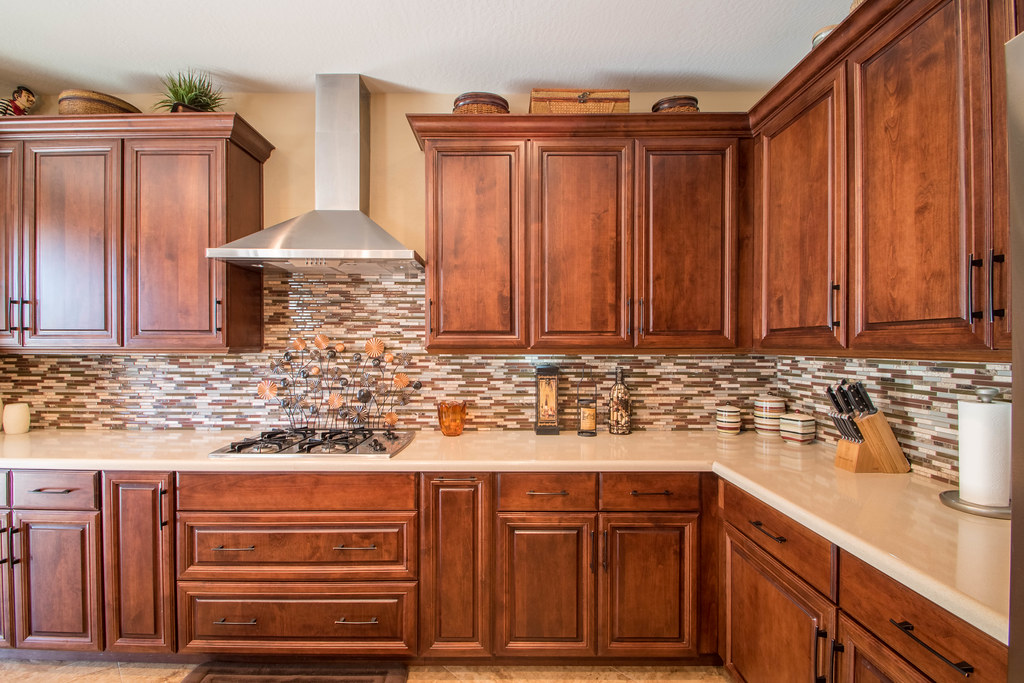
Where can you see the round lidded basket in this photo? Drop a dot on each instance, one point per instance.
(75, 102)
(480, 103)
(675, 104)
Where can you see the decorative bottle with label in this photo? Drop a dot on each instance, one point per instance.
(619, 405)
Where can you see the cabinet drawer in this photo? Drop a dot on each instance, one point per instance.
(929, 634)
(287, 491)
(4, 500)
(54, 490)
(809, 555)
(678, 491)
(298, 546)
(547, 491)
(364, 618)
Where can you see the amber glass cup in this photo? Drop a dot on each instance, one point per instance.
(451, 415)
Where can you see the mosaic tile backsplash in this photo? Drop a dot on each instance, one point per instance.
(164, 391)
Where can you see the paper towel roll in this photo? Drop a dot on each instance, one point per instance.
(985, 453)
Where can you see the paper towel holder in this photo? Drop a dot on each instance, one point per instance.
(952, 499)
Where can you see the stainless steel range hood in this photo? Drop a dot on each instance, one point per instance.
(337, 236)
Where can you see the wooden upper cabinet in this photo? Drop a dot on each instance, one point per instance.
(10, 238)
(580, 200)
(71, 279)
(476, 244)
(800, 234)
(921, 179)
(686, 243)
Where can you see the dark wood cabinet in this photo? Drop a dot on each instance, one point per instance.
(800, 234)
(70, 279)
(861, 658)
(687, 237)
(580, 199)
(6, 625)
(138, 571)
(777, 628)
(107, 227)
(457, 551)
(476, 244)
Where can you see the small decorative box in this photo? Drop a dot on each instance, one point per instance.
(797, 428)
(548, 101)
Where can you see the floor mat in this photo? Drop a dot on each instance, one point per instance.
(317, 672)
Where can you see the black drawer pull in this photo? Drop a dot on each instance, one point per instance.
(759, 525)
(353, 547)
(450, 479)
(224, 622)
(547, 493)
(666, 492)
(52, 491)
(221, 548)
(356, 623)
(962, 667)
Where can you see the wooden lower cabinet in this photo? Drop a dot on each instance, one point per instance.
(56, 575)
(455, 573)
(859, 657)
(6, 636)
(372, 618)
(777, 627)
(138, 575)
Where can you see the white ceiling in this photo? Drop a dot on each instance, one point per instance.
(433, 46)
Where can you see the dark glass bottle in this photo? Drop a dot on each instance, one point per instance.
(619, 405)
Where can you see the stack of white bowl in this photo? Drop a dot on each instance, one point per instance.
(767, 411)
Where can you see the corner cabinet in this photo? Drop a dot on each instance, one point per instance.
(105, 235)
(597, 232)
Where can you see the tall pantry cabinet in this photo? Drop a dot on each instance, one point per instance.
(105, 229)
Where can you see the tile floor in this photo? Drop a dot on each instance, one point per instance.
(34, 671)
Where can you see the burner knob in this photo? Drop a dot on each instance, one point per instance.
(377, 445)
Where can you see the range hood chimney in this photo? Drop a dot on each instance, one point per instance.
(338, 236)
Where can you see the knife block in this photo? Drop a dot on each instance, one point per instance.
(879, 452)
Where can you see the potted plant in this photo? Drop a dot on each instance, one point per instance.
(190, 91)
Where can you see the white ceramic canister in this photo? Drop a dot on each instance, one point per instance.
(728, 420)
(767, 411)
(16, 418)
(797, 428)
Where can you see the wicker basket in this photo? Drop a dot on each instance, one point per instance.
(75, 102)
(676, 104)
(579, 101)
(480, 103)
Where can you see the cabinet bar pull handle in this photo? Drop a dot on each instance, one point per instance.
(972, 263)
(14, 530)
(759, 525)
(221, 548)
(216, 316)
(832, 289)
(223, 621)
(5, 546)
(356, 623)
(836, 647)
(604, 550)
(641, 317)
(52, 491)
(993, 259)
(430, 316)
(593, 552)
(163, 519)
(456, 479)
(962, 667)
(818, 634)
(22, 316)
(666, 492)
(547, 493)
(10, 310)
(629, 317)
(352, 547)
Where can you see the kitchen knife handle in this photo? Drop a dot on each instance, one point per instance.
(832, 289)
(962, 667)
(972, 263)
(993, 259)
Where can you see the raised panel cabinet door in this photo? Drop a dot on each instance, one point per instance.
(58, 601)
(545, 584)
(647, 582)
(10, 239)
(6, 626)
(921, 180)
(580, 203)
(687, 241)
(776, 626)
(861, 658)
(138, 570)
(71, 277)
(800, 230)
(174, 210)
(455, 575)
(476, 244)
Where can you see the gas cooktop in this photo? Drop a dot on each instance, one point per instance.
(302, 443)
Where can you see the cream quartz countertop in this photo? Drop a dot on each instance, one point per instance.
(894, 522)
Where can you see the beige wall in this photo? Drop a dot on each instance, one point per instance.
(397, 194)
